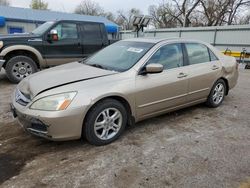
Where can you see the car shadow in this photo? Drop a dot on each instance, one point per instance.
(3, 78)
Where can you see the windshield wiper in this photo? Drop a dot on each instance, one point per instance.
(96, 65)
(82, 60)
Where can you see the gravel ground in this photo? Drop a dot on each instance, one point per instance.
(193, 147)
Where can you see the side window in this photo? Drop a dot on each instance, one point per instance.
(212, 56)
(66, 31)
(197, 53)
(170, 56)
(92, 31)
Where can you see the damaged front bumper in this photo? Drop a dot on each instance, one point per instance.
(54, 125)
(31, 124)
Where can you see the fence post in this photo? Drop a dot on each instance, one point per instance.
(215, 36)
(179, 33)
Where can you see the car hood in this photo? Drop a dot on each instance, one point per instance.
(59, 76)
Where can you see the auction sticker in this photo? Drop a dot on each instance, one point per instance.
(136, 50)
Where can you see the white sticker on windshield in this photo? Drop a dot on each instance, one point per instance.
(136, 50)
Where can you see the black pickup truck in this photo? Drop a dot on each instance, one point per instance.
(53, 43)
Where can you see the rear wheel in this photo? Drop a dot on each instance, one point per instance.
(217, 94)
(105, 122)
(19, 67)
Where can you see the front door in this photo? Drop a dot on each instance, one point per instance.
(68, 48)
(166, 90)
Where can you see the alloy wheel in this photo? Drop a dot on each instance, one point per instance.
(108, 123)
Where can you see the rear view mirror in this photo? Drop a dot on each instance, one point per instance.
(153, 68)
(53, 35)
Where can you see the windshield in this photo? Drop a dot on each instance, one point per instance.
(42, 28)
(119, 56)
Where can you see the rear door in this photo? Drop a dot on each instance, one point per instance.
(168, 89)
(68, 47)
(204, 69)
(92, 38)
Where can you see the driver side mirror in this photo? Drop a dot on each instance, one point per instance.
(152, 68)
(53, 35)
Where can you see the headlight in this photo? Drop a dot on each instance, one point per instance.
(54, 102)
(1, 44)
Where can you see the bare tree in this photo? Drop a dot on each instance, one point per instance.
(5, 2)
(184, 10)
(89, 7)
(244, 19)
(124, 19)
(110, 16)
(174, 13)
(187, 13)
(39, 4)
(162, 16)
(235, 7)
(223, 11)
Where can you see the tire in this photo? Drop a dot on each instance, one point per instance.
(95, 133)
(19, 67)
(217, 94)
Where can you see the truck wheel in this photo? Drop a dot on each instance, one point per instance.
(19, 67)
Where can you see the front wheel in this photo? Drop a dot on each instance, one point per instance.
(217, 94)
(105, 122)
(19, 67)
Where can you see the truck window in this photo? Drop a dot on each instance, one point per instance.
(66, 31)
(92, 31)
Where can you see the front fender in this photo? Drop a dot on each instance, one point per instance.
(9, 49)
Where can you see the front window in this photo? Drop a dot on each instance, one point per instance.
(66, 31)
(170, 56)
(42, 28)
(120, 56)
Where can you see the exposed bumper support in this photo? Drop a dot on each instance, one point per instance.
(1, 64)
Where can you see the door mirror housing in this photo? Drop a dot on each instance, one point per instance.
(53, 35)
(152, 68)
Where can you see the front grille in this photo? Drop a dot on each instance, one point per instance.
(21, 98)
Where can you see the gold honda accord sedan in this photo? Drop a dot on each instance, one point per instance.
(122, 84)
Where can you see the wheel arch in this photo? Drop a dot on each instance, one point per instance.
(227, 84)
(29, 51)
(122, 100)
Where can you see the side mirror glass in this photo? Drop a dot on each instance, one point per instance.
(153, 68)
(53, 35)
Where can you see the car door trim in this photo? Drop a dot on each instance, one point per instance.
(173, 108)
(161, 101)
(197, 91)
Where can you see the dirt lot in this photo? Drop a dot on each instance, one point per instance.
(194, 147)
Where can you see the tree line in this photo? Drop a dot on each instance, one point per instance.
(169, 13)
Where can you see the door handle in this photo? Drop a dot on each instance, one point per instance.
(182, 75)
(215, 67)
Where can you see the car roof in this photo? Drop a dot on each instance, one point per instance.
(157, 40)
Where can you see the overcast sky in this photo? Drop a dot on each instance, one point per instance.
(108, 5)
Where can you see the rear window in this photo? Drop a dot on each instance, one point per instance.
(197, 53)
(92, 31)
(212, 56)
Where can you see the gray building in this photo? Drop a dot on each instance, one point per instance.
(24, 20)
